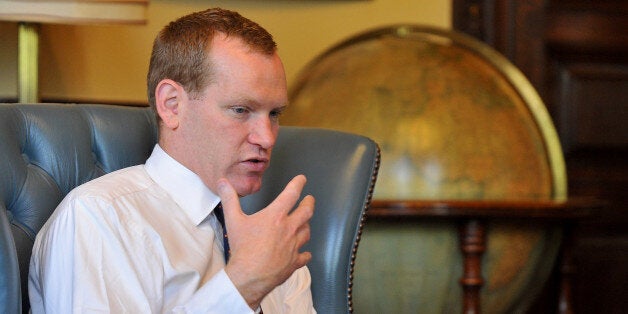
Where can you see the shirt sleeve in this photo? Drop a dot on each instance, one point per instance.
(84, 261)
(220, 290)
(293, 296)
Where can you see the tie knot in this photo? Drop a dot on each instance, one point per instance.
(220, 214)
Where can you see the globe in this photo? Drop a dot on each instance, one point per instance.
(455, 121)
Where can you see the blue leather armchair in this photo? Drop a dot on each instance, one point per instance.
(48, 149)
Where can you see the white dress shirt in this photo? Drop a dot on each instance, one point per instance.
(143, 240)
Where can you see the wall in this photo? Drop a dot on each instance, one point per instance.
(108, 63)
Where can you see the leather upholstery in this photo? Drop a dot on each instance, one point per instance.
(341, 169)
(48, 149)
(10, 296)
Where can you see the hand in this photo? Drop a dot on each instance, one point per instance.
(265, 246)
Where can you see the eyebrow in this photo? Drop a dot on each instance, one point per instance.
(254, 103)
(282, 108)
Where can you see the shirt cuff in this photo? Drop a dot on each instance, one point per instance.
(218, 295)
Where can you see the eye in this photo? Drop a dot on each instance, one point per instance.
(239, 110)
(275, 114)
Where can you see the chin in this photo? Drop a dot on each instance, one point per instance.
(248, 187)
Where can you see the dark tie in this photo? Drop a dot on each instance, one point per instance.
(225, 240)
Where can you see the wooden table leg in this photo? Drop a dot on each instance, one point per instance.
(565, 304)
(472, 245)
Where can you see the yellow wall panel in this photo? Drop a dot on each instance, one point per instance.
(108, 63)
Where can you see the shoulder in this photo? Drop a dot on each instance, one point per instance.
(114, 184)
(102, 199)
(104, 210)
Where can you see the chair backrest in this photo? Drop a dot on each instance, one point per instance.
(341, 169)
(48, 149)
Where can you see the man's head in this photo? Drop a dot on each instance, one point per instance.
(218, 88)
(180, 49)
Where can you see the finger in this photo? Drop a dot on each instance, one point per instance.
(303, 235)
(304, 212)
(290, 194)
(229, 198)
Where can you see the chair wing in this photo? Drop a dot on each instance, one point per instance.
(46, 151)
(341, 169)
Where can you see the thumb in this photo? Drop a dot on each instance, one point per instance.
(230, 200)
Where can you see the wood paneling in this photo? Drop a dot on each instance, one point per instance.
(592, 103)
(575, 52)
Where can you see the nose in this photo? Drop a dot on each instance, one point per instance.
(264, 133)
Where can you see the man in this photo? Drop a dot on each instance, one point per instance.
(147, 239)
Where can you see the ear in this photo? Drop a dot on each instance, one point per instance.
(169, 96)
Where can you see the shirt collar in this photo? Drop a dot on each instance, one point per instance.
(184, 186)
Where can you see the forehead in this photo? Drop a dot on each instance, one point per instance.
(238, 70)
(234, 51)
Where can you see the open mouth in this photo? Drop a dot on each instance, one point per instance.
(257, 164)
(258, 160)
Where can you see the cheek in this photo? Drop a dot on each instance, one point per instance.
(228, 146)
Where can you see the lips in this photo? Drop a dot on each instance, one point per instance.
(256, 164)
